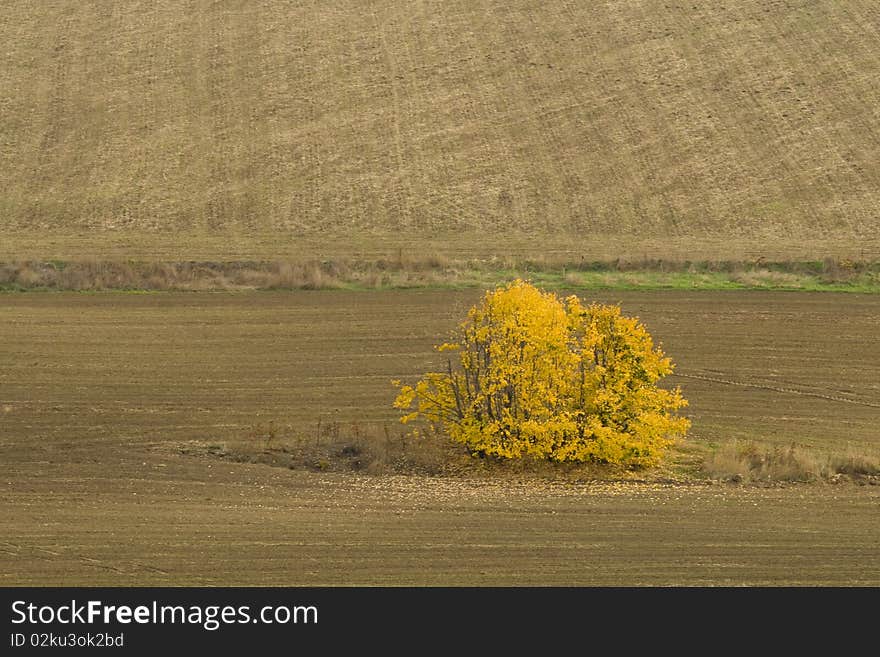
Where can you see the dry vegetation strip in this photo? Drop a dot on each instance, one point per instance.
(411, 271)
(258, 128)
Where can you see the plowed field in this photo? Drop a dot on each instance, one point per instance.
(98, 390)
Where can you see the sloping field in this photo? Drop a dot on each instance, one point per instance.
(232, 130)
(105, 398)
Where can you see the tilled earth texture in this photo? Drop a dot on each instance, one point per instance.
(219, 131)
(103, 396)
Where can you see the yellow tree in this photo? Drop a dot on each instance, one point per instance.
(528, 373)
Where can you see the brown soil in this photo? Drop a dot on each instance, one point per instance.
(105, 398)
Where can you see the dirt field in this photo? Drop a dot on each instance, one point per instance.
(98, 393)
(236, 130)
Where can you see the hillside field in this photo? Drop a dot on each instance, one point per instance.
(233, 130)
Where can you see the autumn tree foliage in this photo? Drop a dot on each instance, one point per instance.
(528, 373)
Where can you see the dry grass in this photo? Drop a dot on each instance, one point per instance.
(383, 449)
(107, 275)
(344, 447)
(433, 270)
(218, 131)
(751, 462)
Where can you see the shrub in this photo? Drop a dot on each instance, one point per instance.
(530, 374)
